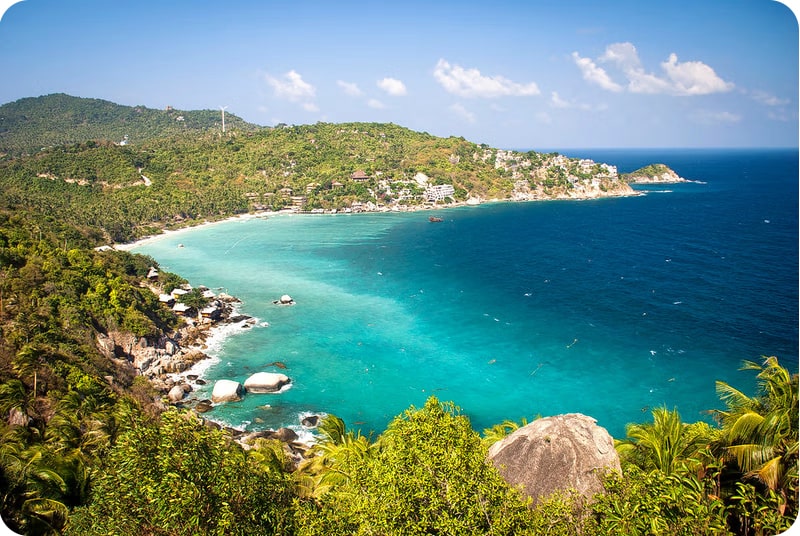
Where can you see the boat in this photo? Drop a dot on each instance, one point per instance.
(434, 219)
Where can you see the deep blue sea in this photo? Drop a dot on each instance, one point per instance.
(608, 307)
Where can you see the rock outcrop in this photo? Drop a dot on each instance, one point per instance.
(565, 452)
(266, 382)
(226, 391)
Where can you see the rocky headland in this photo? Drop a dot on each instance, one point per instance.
(653, 174)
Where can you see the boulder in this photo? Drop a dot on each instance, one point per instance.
(203, 406)
(284, 300)
(312, 421)
(565, 452)
(286, 435)
(266, 382)
(226, 391)
(176, 394)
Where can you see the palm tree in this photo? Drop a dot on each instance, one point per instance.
(667, 444)
(760, 433)
(337, 451)
(27, 363)
(500, 431)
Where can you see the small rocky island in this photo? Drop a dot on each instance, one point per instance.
(653, 174)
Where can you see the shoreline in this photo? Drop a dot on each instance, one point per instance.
(209, 337)
(263, 214)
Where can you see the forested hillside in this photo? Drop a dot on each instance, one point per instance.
(89, 446)
(31, 124)
(166, 175)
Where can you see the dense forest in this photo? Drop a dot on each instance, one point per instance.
(90, 447)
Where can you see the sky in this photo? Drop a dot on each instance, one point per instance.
(532, 74)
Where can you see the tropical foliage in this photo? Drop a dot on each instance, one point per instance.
(87, 447)
(65, 156)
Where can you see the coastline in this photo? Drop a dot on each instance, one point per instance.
(208, 337)
(472, 202)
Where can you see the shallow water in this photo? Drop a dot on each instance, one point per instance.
(606, 307)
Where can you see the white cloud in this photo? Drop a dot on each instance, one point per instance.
(350, 88)
(779, 115)
(291, 87)
(693, 77)
(767, 99)
(684, 79)
(310, 107)
(594, 74)
(462, 112)
(393, 87)
(557, 102)
(623, 54)
(375, 103)
(708, 117)
(471, 83)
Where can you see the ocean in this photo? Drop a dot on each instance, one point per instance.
(607, 307)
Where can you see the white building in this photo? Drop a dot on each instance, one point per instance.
(439, 192)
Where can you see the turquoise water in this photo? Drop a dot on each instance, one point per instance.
(511, 310)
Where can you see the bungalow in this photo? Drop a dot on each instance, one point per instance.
(359, 176)
(212, 310)
(178, 292)
(180, 308)
(152, 274)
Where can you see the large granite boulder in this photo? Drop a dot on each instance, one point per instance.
(226, 391)
(266, 382)
(565, 452)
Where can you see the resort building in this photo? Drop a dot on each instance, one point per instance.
(439, 192)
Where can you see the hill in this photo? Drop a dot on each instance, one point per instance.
(30, 124)
(65, 155)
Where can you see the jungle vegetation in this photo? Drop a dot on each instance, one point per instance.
(87, 447)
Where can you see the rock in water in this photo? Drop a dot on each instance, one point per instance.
(226, 391)
(266, 382)
(556, 453)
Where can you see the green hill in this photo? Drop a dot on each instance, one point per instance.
(30, 124)
(64, 155)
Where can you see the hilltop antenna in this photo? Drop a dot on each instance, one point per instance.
(223, 117)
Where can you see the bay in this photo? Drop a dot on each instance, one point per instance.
(606, 307)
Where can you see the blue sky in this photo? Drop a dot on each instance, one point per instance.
(512, 74)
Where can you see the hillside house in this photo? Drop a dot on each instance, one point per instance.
(359, 176)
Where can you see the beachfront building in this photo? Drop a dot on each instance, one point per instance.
(439, 192)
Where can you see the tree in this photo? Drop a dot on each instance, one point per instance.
(760, 433)
(665, 445)
(429, 475)
(27, 363)
(180, 478)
